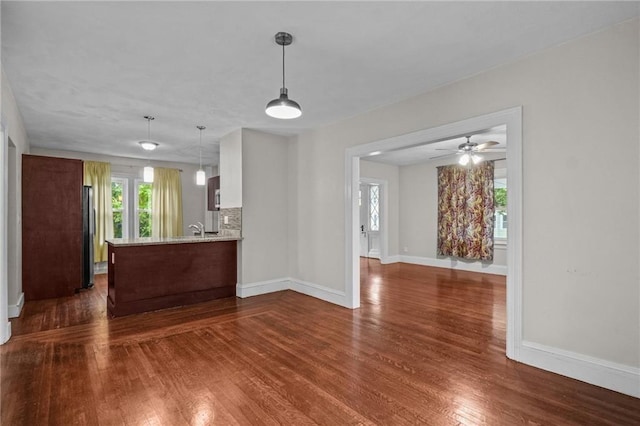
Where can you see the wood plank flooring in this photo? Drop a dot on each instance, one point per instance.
(426, 347)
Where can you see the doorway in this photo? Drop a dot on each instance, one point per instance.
(370, 209)
(512, 119)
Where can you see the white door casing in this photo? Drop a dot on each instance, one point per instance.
(512, 118)
(5, 325)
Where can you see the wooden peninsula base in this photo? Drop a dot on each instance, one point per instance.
(151, 274)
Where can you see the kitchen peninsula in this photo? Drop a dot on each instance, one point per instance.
(146, 274)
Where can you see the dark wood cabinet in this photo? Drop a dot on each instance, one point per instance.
(51, 226)
(147, 277)
(213, 193)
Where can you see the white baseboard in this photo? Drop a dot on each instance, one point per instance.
(390, 259)
(599, 372)
(375, 253)
(100, 268)
(15, 310)
(262, 287)
(327, 294)
(5, 334)
(460, 265)
(310, 289)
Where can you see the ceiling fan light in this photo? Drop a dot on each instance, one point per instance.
(147, 174)
(464, 159)
(283, 107)
(476, 158)
(200, 177)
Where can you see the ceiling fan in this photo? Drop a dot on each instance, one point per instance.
(468, 151)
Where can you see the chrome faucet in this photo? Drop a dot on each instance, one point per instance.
(199, 228)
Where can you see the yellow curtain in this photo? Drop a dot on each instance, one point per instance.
(98, 176)
(166, 211)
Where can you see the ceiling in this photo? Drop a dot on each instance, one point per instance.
(85, 73)
(439, 150)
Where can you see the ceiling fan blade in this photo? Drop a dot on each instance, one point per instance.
(445, 149)
(441, 156)
(486, 145)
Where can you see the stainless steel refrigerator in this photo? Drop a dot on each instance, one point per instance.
(88, 231)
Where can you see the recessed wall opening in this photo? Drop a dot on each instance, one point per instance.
(511, 163)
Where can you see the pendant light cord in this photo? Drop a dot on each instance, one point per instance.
(283, 86)
(200, 149)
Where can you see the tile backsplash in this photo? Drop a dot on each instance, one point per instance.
(234, 219)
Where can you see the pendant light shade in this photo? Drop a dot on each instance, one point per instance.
(283, 107)
(200, 176)
(147, 173)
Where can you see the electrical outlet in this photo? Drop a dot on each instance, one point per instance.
(226, 220)
(405, 249)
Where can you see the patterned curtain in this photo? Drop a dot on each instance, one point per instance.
(465, 211)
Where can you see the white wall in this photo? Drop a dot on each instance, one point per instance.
(391, 174)
(12, 119)
(193, 196)
(419, 212)
(231, 170)
(264, 207)
(580, 224)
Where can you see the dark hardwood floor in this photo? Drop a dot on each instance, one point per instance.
(426, 347)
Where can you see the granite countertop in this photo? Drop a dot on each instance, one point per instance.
(147, 241)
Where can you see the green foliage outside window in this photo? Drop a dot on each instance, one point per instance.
(116, 202)
(500, 199)
(144, 196)
(144, 207)
(145, 224)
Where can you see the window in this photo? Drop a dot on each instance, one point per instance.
(500, 209)
(131, 218)
(374, 208)
(143, 209)
(119, 202)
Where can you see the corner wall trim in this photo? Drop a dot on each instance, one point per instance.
(262, 287)
(320, 292)
(310, 289)
(4, 337)
(599, 372)
(455, 264)
(15, 310)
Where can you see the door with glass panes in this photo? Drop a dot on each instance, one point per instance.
(370, 195)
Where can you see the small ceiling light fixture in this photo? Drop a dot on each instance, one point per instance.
(283, 107)
(147, 173)
(148, 145)
(200, 177)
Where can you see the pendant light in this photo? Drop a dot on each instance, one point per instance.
(147, 173)
(200, 177)
(283, 107)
